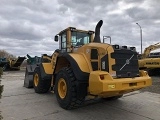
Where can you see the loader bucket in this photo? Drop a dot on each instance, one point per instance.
(19, 61)
(28, 81)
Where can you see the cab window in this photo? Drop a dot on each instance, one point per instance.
(63, 42)
(79, 38)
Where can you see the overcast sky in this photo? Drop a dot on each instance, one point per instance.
(29, 26)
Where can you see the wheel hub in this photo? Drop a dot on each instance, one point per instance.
(62, 88)
(36, 79)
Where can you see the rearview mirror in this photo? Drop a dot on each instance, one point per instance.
(56, 38)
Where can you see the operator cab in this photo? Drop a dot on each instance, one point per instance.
(72, 38)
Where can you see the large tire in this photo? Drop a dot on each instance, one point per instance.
(40, 85)
(66, 90)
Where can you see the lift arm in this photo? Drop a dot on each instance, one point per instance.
(149, 49)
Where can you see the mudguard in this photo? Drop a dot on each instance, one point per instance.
(79, 65)
(81, 71)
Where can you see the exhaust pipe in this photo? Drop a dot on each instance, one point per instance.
(97, 32)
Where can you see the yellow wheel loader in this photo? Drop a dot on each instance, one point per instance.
(150, 61)
(83, 66)
(11, 64)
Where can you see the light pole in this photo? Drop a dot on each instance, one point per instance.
(140, 36)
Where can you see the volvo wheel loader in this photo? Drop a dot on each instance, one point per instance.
(83, 66)
(150, 62)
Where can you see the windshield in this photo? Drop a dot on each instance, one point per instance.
(79, 38)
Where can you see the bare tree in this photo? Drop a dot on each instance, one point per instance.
(5, 54)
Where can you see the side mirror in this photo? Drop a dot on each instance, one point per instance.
(56, 38)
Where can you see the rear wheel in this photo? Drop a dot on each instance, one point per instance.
(40, 85)
(65, 89)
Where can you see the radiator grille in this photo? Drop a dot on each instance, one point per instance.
(126, 63)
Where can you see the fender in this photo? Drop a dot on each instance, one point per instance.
(79, 65)
(80, 69)
(46, 71)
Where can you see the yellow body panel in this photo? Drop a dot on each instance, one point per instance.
(48, 68)
(103, 49)
(113, 87)
(81, 61)
(149, 63)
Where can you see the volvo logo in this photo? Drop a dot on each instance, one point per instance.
(127, 62)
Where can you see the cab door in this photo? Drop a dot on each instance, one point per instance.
(63, 42)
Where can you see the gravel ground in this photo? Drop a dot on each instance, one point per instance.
(155, 88)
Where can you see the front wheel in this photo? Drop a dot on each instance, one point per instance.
(65, 89)
(40, 85)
